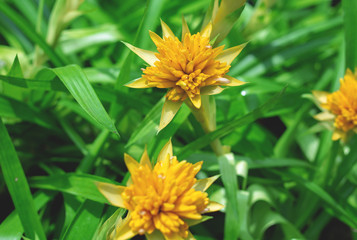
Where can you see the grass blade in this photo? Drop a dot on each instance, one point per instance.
(350, 22)
(230, 126)
(18, 187)
(78, 85)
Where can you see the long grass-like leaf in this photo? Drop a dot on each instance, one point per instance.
(18, 187)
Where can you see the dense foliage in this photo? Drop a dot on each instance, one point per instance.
(68, 119)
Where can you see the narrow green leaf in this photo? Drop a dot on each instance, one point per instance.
(18, 187)
(16, 109)
(86, 221)
(78, 85)
(32, 34)
(229, 179)
(230, 126)
(350, 22)
(323, 195)
(82, 185)
(11, 228)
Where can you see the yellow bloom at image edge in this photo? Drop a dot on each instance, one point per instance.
(161, 198)
(189, 68)
(340, 107)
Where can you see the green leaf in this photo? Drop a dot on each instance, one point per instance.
(78, 85)
(229, 179)
(30, 32)
(86, 221)
(18, 187)
(323, 195)
(15, 109)
(82, 185)
(230, 126)
(350, 22)
(11, 227)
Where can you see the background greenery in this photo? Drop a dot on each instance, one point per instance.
(71, 122)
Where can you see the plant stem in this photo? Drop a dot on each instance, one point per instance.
(206, 116)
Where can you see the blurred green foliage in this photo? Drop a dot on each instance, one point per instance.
(62, 101)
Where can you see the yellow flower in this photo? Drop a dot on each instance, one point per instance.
(188, 68)
(162, 199)
(340, 107)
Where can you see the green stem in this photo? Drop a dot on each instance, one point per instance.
(206, 116)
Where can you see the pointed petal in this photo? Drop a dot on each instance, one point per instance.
(147, 56)
(203, 184)
(131, 163)
(324, 116)
(173, 236)
(196, 101)
(337, 134)
(190, 236)
(166, 31)
(112, 193)
(211, 90)
(213, 207)
(137, 83)
(185, 28)
(321, 96)
(145, 158)
(228, 55)
(166, 150)
(155, 38)
(123, 231)
(206, 32)
(168, 112)
(233, 82)
(155, 235)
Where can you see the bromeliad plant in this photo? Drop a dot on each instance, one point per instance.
(162, 200)
(340, 107)
(190, 68)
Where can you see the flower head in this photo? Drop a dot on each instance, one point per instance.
(162, 198)
(340, 107)
(188, 68)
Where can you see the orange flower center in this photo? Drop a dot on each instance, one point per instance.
(343, 104)
(185, 66)
(162, 197)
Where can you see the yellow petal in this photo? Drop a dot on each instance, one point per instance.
(131, 163)
(228, 55)
(213, 207)
(320, 96)
(185, 28)
(155, 235)
(206, 32)
(166, 150)
(112, 193)
(231, 81)
(196, 101)
(166, 31)
(211, 90)
(203, 184)
(324, 116)
(138, 83)
(155, 38)
(338, 134)
(147, 56)
(123, 230)
(145, 159)
(168, 112)
(190, 236)
(173, 236)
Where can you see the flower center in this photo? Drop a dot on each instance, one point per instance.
(343, 104)
(161, 198)
(185, 66)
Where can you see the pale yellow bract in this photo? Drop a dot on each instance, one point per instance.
(188, 68)
(340, 107)
(160, 199)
